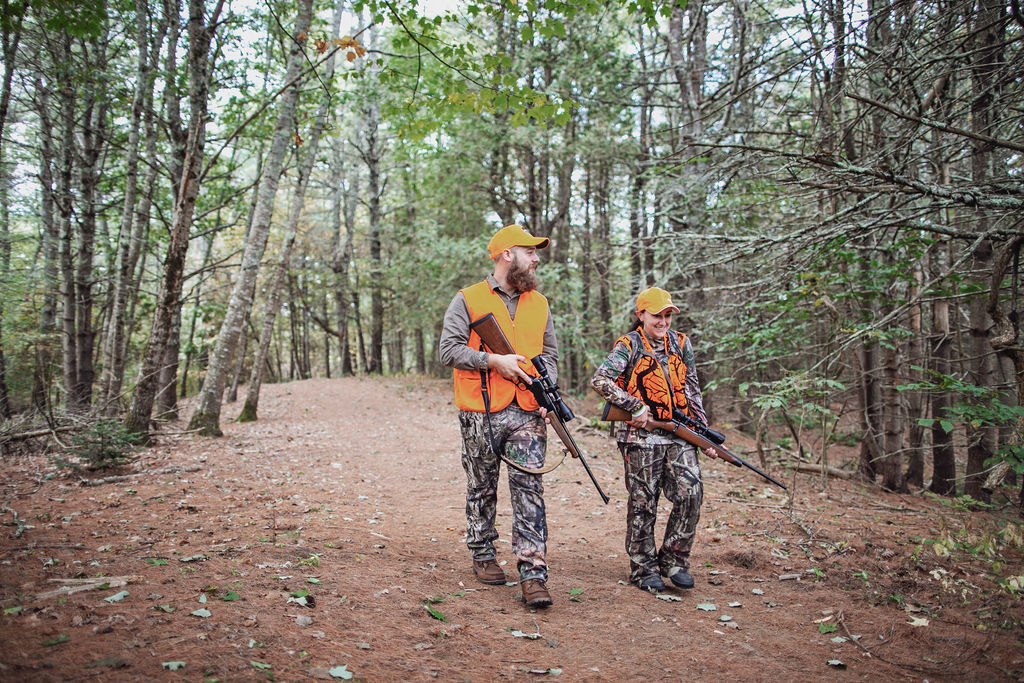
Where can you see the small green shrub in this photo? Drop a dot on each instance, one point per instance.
(105, 444)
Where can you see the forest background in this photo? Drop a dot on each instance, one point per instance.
(200, 197)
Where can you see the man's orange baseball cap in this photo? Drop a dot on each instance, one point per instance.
(514, 236)
(654, 300)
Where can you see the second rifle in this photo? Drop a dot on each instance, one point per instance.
(613, 413)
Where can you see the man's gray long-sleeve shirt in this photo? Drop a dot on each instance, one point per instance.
(453, 348)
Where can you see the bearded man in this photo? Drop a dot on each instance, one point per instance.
(497, 411)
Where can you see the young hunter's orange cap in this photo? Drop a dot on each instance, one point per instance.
(654, 300)
(514, 236)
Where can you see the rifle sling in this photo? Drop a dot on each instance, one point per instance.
(499, 449)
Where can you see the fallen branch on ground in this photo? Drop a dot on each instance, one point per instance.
(127, 477)
(77, 585)
(813, 468)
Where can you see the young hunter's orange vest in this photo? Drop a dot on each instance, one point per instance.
(525, 334)
(644, 377)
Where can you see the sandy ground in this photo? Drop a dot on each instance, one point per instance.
(326, 541)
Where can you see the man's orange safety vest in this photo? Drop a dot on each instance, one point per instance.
(525, 334)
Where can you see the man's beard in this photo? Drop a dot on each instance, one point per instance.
(521, 279)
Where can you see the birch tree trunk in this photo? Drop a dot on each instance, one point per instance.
(206, 416)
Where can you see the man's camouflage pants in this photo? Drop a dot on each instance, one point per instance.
(651, 469)
(524, 437)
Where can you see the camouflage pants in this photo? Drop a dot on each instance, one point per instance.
(524, 437)
(650, 470)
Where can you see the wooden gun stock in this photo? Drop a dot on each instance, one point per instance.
(613, 413)
(490, 332)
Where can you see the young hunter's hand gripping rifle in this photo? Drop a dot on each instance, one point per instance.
(691, 431)
(543, 389)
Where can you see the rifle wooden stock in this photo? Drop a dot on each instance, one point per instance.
(490, 332)
(494, 339)
(613, 413)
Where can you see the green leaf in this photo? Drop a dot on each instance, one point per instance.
(230, 596)
(164, 608)
(707, 606)
(827, 628)
(156, 562)
(315, 581)
(204, 613)
(116, 597)
(12, 610)
(62, 638)
(260, 665)
(173, 666)
(434, 613)
(671, 598)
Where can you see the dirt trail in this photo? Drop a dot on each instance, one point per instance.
(336, 499)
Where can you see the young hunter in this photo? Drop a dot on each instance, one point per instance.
(496, 407)
(650, 372)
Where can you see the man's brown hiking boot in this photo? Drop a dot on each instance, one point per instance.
(535, 593)
(489, 572)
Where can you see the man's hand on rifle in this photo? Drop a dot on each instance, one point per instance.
(508, 366)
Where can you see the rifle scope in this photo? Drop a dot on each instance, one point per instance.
(551, 390)
(709, 434)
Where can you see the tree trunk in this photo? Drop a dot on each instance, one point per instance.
(372, 155)
(5, 275)
(915, 399)
(250, 408)
(128, 234)
(943, 453)
(93, 135)
(69, 337)
(206, 416)
(167, 386)
(169, 298)
(41, 379)
(343, 214)
(986, 57)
